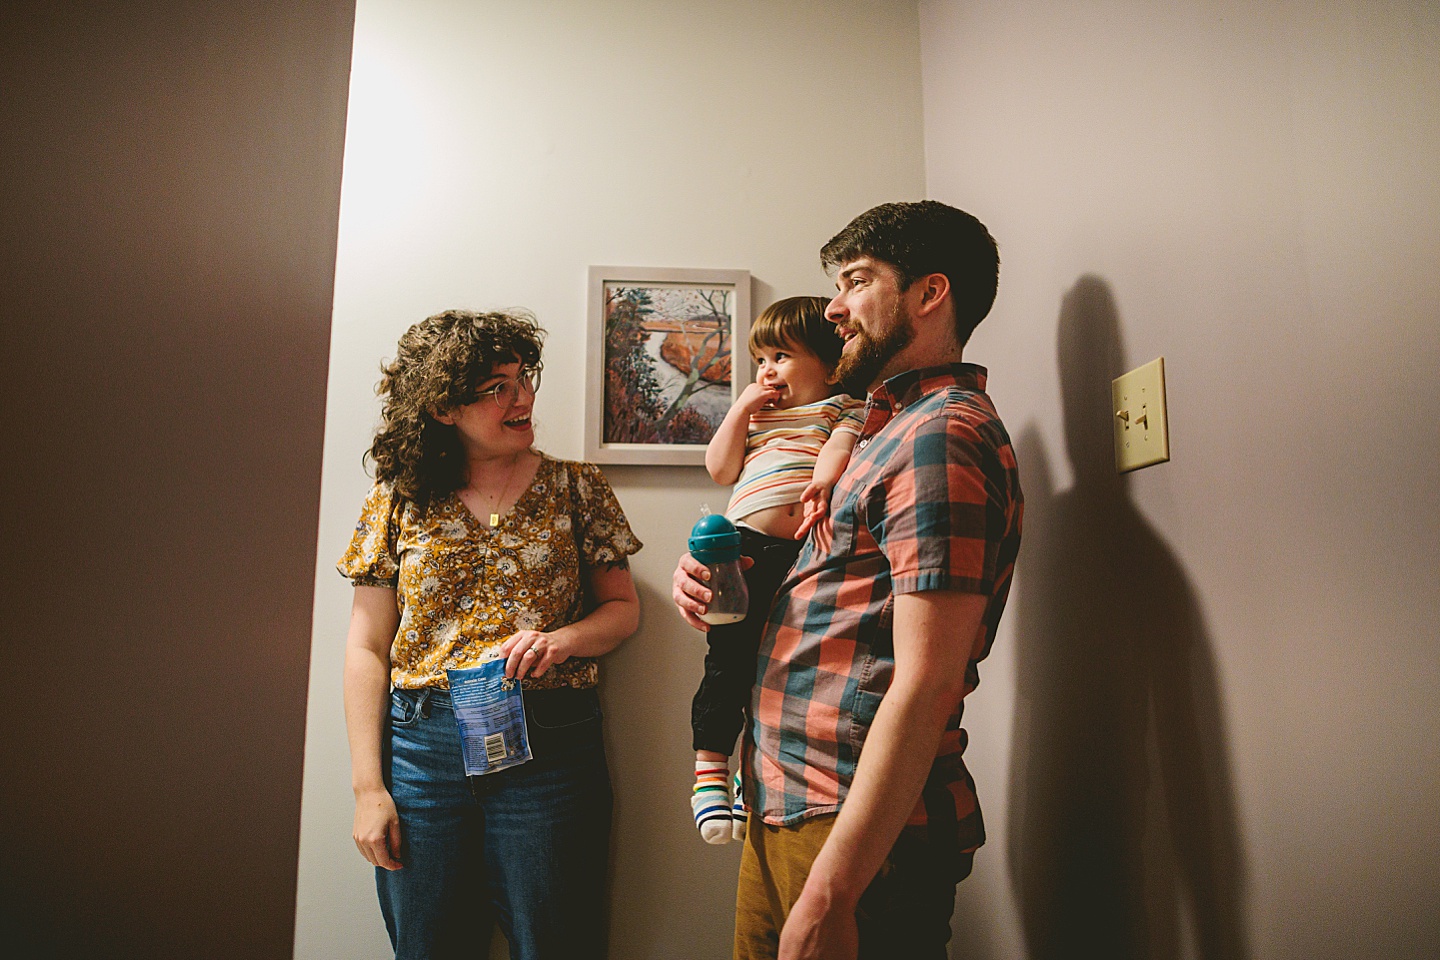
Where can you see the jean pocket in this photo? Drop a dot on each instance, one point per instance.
(404, 708)
(561, 709)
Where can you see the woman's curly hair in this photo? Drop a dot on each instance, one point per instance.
(439, 364)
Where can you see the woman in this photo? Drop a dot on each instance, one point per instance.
(472, 544)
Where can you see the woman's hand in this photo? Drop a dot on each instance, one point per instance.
(373, 621)
(532, 653)
(377, 828)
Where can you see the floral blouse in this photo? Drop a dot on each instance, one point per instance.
(463, 588)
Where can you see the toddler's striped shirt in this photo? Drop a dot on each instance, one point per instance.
(780, 451)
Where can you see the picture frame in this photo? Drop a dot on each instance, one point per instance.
(666, 357)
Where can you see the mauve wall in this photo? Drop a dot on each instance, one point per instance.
(171, 174)
(1209, 727)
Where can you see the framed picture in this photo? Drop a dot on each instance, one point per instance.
(665, 360)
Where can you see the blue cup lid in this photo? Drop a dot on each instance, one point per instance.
(714, 539)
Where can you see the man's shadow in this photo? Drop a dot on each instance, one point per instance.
(1123, 837)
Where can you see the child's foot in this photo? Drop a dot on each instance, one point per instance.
(711, 801)
(738, 816)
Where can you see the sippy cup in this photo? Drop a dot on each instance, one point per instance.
(715, 542)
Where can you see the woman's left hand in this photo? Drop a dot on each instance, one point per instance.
(531, 653)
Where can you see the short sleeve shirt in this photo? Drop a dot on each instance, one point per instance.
(930, 500)
(781, 447)
(462, 588)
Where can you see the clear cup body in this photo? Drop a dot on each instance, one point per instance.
(729, 597)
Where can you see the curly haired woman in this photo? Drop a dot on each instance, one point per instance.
(471, 545)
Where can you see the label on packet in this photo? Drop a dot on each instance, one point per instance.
(490, 712)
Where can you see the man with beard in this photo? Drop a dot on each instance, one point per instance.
(863, 816)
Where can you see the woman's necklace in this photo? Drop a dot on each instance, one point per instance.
(504, 491)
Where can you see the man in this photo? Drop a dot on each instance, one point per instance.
(864, 817)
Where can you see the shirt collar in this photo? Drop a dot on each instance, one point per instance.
(908, 388)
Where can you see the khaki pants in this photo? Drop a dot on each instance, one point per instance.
(905, 912)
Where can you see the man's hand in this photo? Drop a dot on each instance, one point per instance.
(688, 590)
(819, 928)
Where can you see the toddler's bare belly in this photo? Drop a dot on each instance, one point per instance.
(781, 521)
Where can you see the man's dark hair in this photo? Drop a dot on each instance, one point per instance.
(918, 239)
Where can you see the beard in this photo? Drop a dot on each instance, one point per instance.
(865, 357)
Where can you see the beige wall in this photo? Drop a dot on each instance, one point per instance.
(1208, 727)
(495, 151)
(171, 177)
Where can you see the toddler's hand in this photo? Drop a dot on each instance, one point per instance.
(755, 398)
(815, 502)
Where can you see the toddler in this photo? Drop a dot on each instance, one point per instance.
(783, 444)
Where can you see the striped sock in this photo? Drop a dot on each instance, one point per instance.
(737, 810)
(711, 801)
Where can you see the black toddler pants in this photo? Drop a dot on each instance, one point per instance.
(718, 711)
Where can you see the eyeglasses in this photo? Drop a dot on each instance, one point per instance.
(507, 391)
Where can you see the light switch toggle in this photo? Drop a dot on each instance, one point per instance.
(1143, 420)
(1123, 415)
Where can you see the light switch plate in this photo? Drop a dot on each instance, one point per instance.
(1142, 432)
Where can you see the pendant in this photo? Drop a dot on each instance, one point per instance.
(494, 519)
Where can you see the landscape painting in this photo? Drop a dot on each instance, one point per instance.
(664, 342)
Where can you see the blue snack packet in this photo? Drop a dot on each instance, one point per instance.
(491, 715)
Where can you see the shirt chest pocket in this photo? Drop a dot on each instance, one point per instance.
(872, 680)
(845, 523)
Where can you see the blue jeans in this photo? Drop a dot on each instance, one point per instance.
(526, 847)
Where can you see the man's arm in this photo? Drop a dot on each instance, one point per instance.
(896, 759)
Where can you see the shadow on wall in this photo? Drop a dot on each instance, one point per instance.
(1124, 842)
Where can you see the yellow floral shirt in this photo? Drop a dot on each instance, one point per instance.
(462, 588)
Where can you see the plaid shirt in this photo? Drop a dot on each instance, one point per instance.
(930, 501)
